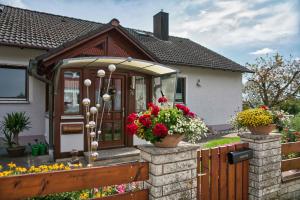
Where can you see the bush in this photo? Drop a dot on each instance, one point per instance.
(291, 106)
(296, 122)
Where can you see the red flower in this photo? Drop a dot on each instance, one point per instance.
(154, 109)
(184, 108)
(132, 128)
(191, 114)
(145, 120)
(264, 107)
(162, 100)
(131, 117)
(160, 130)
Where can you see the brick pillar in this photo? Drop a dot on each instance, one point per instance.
(172, 171)
(265, 167)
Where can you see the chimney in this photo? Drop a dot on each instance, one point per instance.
(161, 25)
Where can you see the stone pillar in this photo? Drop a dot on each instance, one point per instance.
(265, 167)
(172, 171)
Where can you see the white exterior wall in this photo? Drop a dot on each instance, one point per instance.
(35, 107)
(218, 97)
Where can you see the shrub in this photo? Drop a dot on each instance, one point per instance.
(296, 122)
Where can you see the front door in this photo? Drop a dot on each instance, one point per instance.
(112, 134)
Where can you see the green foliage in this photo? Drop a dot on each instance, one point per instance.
(296, 122)
(169, 116)
(59, 196)
(222, 141)
(13, 124)
(292, 106)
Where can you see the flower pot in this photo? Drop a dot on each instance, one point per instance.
(16, 151)
(170, 141)
(35, 150)
(42, 149)
(262, 130)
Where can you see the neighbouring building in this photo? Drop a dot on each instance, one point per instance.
(33, 46)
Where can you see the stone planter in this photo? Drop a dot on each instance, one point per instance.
(16, 151)
(170, 141)
(262, 130)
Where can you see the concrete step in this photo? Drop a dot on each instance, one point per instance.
(116, 156)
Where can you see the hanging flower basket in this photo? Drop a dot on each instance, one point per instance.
(262, 130)
(170, 141)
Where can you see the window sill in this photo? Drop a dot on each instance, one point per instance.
(72, 117)
(14, 102)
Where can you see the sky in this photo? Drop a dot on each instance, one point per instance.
(238, 29)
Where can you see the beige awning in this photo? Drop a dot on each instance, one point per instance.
(143, 66)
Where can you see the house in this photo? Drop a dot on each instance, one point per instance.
(37, 76)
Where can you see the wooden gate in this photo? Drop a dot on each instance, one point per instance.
(217, 179)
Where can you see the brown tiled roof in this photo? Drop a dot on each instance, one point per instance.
(32, 29)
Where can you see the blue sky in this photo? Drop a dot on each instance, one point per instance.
(238, 29)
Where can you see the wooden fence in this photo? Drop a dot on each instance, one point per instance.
(292, 163)
(217, 179)
(32, 185)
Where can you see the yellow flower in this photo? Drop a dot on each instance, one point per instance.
(11, 165)
(84, 195)
(254, 117)
(1, 167)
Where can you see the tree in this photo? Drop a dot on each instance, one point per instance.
(274, 80)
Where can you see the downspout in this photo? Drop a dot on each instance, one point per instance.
(33, 71)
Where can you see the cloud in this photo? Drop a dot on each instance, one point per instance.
(263, 51)
(14, 3)
(228, 23)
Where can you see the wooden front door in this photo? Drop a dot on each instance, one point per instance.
(113, 130)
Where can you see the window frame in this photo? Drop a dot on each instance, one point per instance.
(17, 99)
(63, 89)
(184, 90)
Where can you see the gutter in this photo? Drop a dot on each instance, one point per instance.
(33, 71)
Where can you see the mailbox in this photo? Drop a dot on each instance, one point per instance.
(239, 156)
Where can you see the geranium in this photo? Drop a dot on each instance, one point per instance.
(145, 120)
(191, 114)
(264, 107)
(183, 108)
(160, 130)
(132, 117)
(162, 100)
(154, 109)
(132, 128)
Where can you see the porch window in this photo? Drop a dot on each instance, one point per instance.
(180, 90)
(71, 92)
(140, 94)
(13, 83)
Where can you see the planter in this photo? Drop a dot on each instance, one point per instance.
(42, 149)
(35, 150)
(262, 130)
(170, 141)
(16, 151)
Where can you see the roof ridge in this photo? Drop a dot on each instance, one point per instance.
(56, 15)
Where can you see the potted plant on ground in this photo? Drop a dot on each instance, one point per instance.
(166, 126)
(12, 125)
(259, 121)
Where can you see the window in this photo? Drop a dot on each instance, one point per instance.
(71, 92)
(13, 83)
(180, 90)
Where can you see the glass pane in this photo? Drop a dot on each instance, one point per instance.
(107, 131)
(156, 89)
(118, 94)
(180, 90)
(13, 83)
(118, 131)
(168, 88)
(140, 94)
(71, 92)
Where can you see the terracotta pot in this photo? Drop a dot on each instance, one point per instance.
(16, 151)
(170, 141)
(262, 130)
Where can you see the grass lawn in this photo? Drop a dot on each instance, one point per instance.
(221, 141)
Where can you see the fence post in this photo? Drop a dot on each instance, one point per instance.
(173, 171)
(265, 167)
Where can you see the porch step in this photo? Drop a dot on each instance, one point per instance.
(116, 156)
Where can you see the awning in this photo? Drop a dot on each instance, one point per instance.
(143, 66)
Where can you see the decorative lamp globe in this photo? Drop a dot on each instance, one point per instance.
(99, 132)
(94, 155)
(93, 110)
(87, 82)
(98, 105)
(100, 73)
(106, 97)
(86, 101)
(129, 59)
(92, 124)
(92, 134)
(111, 67)
(94, 144)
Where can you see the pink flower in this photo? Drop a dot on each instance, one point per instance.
(121, 189)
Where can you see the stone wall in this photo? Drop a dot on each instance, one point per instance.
(290, 189)
(172, 171)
